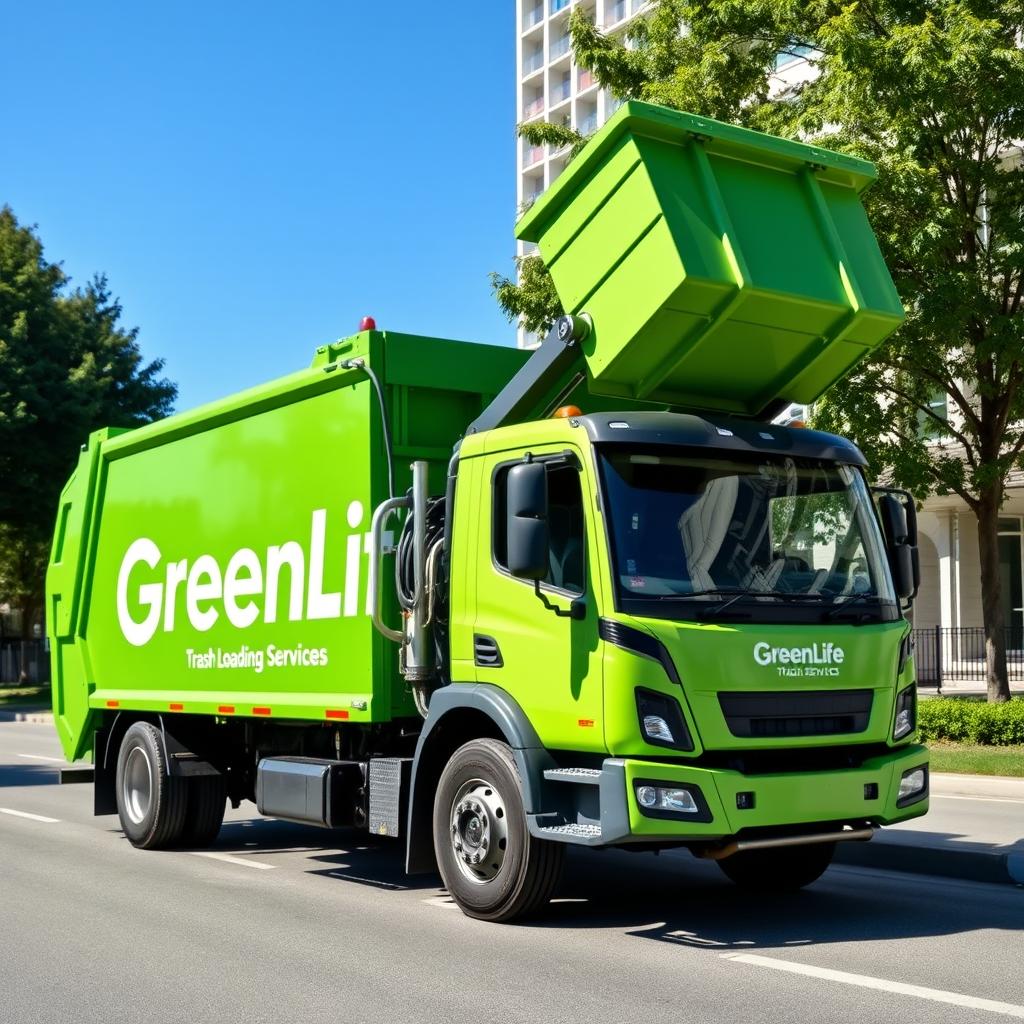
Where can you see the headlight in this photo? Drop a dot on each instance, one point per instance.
(661, 720)
(913, 786)
(665, 800)
(906, 713)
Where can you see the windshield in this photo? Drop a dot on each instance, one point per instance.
(767, 537)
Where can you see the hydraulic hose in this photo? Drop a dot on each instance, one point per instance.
(361, 364)
(405, 566)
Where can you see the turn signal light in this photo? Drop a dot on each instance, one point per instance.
(567, 412)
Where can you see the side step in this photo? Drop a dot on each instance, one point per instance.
(579, 832)
(587, 776)
(577, 820)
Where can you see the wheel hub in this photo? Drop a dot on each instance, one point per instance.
(137, 787)
(479, 830)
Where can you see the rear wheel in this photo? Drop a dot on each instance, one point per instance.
(204, 810)
(493, 868)
(781, 869)
(150, 803)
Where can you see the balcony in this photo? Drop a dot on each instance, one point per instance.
(561, 91)
(533, 17)
(532, 155)
(533, 62)
(534, 107)
(559, 5)
(617, 12)
(588, 125)
(585, 81)
(559, 47)
(529, 198)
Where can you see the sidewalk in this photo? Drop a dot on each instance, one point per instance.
(974, 830)
(964, 688)
(41, 714)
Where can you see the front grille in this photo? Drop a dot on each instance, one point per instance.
(801, 713)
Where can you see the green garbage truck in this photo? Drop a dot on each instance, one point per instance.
(494, 603)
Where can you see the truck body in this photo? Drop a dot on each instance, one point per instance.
(393, 592)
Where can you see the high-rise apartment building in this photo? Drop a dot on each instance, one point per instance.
(552, 88)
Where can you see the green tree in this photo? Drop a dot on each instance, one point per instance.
(933, 92)
(66, 367)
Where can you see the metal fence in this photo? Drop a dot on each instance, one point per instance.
(24, 661)
(958, 655)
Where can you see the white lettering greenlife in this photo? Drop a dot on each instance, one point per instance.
(824, 653)
(236, 591)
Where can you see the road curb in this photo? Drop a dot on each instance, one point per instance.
(968, 865)
(40, 717)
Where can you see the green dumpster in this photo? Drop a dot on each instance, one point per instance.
(723, 269)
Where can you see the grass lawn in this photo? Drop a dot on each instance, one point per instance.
(14, 697)
(969, 759)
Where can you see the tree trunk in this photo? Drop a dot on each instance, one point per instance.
(991, 599)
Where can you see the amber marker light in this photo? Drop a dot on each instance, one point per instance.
(567, 412)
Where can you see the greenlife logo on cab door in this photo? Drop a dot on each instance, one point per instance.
(817, 660)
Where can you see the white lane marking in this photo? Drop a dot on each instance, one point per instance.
(368, 881)
(982, 799)
(934, 995)
(230, 859)
(441, 901)
(43, 757)
(32, 817)
(954, 778)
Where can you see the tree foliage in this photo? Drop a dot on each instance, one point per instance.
(67, 367)
(932, 91)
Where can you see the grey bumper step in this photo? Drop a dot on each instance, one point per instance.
(587, 776)
(588, 835)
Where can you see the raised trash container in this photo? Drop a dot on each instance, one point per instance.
(723, 269)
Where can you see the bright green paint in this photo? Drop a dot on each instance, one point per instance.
(253, 472)
(790, 799)
(723, 269)
(673, 247)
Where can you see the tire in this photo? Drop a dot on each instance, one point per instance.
(783, 869)
(492, 867)
(150, 803)
(205, 799)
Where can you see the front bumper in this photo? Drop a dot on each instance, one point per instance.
(732, 802)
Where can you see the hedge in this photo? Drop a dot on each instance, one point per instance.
(970, 721)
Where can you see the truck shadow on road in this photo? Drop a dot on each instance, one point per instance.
(688, 902)
(673, 898)
(347, 855)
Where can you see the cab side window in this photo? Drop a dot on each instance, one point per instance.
(567, 561)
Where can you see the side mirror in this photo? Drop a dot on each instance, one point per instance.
(899, 525)
(526, 523)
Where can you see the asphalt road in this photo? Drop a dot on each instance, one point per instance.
(281, 923)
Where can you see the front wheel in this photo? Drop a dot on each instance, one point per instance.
(779, 869)
(491, 865)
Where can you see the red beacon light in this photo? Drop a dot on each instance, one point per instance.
(367, 324)
(567, 412)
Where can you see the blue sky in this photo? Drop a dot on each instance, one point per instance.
(254, 177)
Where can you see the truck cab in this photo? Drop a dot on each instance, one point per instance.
(699, 620)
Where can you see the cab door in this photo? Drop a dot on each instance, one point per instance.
(539, 642)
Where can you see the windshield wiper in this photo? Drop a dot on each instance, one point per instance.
(841, 606)
(783, 595)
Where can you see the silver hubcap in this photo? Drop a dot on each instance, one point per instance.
(479, 830)
(137, 787)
